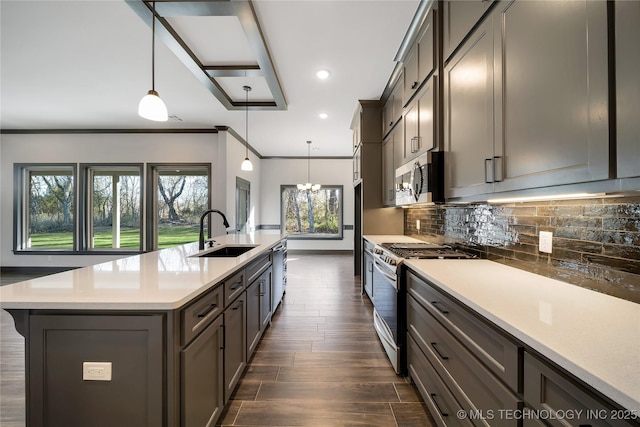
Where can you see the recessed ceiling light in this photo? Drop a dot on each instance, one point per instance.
(323, 74)
(323, 115)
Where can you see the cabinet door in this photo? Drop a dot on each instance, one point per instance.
(235, 347)
(357, 160)
(426, 49)
(387, 115)
(459, 17)
(419, 123)
(546, 389)
(627, 17)
(411, 82)
(253, 317)
(550, 93)
(201, 370)
(388, 172)
(368, 275)
(468, 104)
(265, 299)
(397, 98)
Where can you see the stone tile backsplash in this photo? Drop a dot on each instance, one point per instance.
(596, 242)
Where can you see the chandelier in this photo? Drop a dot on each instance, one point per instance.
(308, 186)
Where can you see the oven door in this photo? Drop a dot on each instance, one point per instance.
(385, 303)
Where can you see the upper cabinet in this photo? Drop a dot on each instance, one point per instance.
(419, 125)
(627, 35)
(526, 108)
(420, 61)
(458, 18)
(392, 110)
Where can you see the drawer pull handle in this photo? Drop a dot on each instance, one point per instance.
(238, 286)
(433, 399)
(435, 348)
(209, 310)
(238, 305)
(441, 310)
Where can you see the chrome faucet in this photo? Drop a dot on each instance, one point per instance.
(201, 238)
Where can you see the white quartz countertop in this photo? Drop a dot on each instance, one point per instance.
(160, 280)
(594, 336)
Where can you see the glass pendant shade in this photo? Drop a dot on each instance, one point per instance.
(151, 107)
(246, 165)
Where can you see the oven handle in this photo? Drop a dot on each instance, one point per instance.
(392, 278)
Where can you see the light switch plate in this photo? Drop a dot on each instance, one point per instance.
(96, 371)
(546, 242)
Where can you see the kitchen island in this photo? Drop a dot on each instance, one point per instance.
(157, 339)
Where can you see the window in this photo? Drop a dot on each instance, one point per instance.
(180, 196)
(111, 212)
(45, 206)
(113, 207)
(311, 214)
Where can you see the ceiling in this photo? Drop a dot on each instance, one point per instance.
(86, 64)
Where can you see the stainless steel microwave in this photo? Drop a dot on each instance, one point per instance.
(421, 180)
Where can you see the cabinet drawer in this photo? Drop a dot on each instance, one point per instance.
(500, 355)
(257, 267)
(442, 405)
(201, 313)
(233, 287)
(545, 388)
(459, 367)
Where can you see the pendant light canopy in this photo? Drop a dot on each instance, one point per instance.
(308, 186)
(246, 163)
(151, 107)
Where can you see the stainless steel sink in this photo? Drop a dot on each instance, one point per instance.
(225, 252)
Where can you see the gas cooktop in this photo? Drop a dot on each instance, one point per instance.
(425, 251)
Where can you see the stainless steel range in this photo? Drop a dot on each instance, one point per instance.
(388, 292)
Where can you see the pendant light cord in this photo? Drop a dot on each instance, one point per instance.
(246, 121)
(153, 46)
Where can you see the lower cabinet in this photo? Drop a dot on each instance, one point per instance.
(201, 372)
(254, 323)
(548, 389)
(235, 348)
(469, 372)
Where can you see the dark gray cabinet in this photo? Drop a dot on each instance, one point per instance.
(253, 318)
(367, 274)
(627, 54)
(468, 114)
(388, 169)
(476, 368)
(202, 381)
(419, 122)
(420, 61)
(547, 388)
(235, 348)
(392, 109)
(265, 282)
(524, 110)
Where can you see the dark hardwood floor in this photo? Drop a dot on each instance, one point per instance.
(320, 362)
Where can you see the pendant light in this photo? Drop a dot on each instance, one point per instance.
(151, 106)
(308, 186)
(246, 163)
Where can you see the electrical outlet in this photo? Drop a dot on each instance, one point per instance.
(418, 224)
(96, 371)
(546, 242)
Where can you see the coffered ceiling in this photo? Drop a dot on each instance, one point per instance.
(86, 64)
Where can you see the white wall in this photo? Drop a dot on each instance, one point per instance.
(277, 172)
(118, 148)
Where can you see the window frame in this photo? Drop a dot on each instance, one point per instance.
(311, 237)
(21, 197)
(85, 213)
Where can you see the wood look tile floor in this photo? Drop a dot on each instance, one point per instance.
(320, 362)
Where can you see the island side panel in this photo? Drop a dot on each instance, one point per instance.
(58, 344)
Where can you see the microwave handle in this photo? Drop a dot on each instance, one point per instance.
(418, 181)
